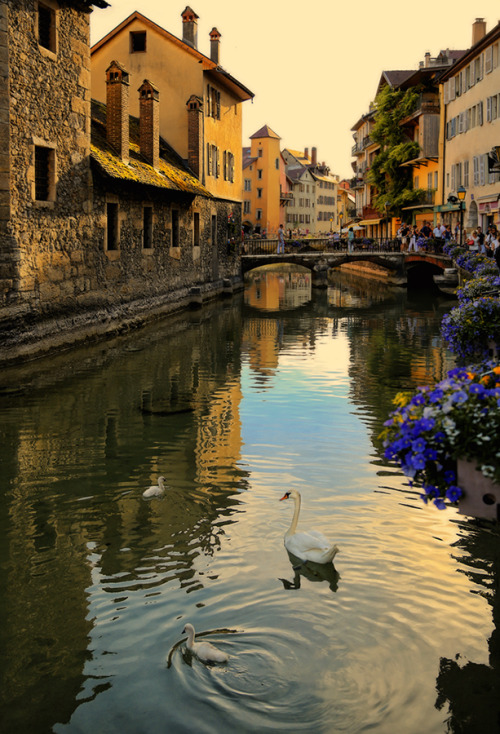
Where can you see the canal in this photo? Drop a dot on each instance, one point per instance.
(234, 404)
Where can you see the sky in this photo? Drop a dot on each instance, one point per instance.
(314, 69)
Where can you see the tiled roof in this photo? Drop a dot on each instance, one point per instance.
(265, 132)
(172, 173)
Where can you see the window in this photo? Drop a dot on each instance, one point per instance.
(213, 165)
(175, 228)
(436, 179)
(44, 173)
(258, 214)
(466, 174)
(259, 193)
(277, 164)
(259, 153)
(147, 227)
(228, 166)
(246, 207)
(137, 42)
(248, 184)
(213, 102)
(196, 229)
(47, 27)
(214, 229)
(259, 172)
(111, 226)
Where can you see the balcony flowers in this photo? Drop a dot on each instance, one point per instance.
(457, 418)
(472, 328)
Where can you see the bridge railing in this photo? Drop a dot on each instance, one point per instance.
(321, 244)
(329, 245)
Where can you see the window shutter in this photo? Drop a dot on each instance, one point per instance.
(488, 60)
(224, 164)
(446, 94)
(217, 115)
(480, 113)
(475, 163)
(452, 89)
(488, 109)
(472, 76)
(209, 159)
(209, 101)
(453, 178)
(482, 170)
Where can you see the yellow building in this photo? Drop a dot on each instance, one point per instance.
(470, 132)
(201, 114)
(263, 169)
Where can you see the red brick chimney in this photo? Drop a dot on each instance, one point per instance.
(195, 135)
(149, 122)
(117, 115)
(215, 45)
(189, 27)
(314, 156)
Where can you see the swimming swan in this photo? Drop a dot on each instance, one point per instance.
(204, 651)
(156, 490)
(310, 545)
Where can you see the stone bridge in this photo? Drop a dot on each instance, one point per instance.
(398, 265)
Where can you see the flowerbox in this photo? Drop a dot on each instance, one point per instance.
(481, 495)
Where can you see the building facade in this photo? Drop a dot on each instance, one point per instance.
(470, 132)
(193, 86)
(102, 222)
(263, 175)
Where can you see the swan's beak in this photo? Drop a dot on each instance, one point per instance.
(285, 496)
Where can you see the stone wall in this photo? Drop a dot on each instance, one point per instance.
(58, 281)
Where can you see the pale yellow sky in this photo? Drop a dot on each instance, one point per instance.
(314, 68)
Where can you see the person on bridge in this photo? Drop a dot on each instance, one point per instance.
(281, 240)
(350, 239)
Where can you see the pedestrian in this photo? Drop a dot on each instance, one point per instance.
(425, 231)
(350, 240)
(413, 239)
(480, 241)
(281, 240)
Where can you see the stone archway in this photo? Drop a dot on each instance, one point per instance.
(472, 216)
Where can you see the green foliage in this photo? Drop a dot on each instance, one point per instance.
(393, 182)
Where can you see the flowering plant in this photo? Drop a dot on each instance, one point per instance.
(453, 251)
(478, 286)
(470, 261)
(472, 326)
(457, 418)
(486, 268)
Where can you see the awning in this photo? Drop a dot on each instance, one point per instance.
(366, 222)
(429, 207)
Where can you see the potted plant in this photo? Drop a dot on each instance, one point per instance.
(472, 329)
(456, 419)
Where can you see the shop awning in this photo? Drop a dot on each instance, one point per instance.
(367, 222)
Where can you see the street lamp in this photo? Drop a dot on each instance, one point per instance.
(340, 224)
(461, 202)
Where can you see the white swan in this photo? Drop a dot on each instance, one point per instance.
(204, 650)
(156, 490)
(310, 545)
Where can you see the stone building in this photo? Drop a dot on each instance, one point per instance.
(102, 223)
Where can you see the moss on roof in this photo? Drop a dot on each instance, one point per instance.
(172, 173)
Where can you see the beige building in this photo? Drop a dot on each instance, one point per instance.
(194, 87)
(470, 131)
(313, 208)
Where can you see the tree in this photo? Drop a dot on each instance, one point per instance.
(393, 182)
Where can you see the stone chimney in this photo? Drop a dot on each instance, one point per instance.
(306, 152)
(427, 57)
(314, 156)
(215, 46)
(117, 115)
(149, 122)
(195, 135)
(189, 27)
(478, 30)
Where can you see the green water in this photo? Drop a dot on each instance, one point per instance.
(234, 404)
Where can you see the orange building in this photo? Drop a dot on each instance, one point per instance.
(264, 183)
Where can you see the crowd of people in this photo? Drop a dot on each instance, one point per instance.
(413, 238)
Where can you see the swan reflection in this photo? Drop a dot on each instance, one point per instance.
(312, 572)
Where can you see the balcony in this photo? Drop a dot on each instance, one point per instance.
(361, 145)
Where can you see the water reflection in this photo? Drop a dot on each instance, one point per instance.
(269, 289)
(233, 404)
(312, 572)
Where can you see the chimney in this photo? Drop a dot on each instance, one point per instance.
(149, 122)
(306, 152)
(215, 46)
(117, 115)
(478, 30)
(189, 27)
(313, 156)
(427, 59)
(195, 135)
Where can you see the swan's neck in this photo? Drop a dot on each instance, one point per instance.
(160, 482)
(295, 519)
(190, 638)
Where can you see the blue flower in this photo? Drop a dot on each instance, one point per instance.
(418, 461)
(439, 503)
(418, 445)
(449, 476)
(459, 397)
(453, 493)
